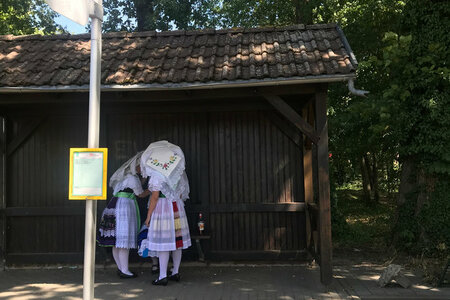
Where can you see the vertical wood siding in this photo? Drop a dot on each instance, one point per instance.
(252, 161)
(232, 158)
(38, 178)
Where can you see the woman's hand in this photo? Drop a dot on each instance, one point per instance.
(153, 200)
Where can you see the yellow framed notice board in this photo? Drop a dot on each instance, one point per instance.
(87, 177)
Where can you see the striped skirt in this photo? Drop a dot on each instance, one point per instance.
(169, 229)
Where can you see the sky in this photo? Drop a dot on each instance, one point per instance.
(71, 26)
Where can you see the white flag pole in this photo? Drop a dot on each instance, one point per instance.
(79, 11)
(93, 142)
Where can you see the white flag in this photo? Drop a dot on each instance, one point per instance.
(76, 10)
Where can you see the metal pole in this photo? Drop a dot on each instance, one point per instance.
(93, 142)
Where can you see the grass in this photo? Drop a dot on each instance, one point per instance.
(362, 225)
(361, 229)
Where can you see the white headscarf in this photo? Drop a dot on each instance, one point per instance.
(166, 159)
(129, 167)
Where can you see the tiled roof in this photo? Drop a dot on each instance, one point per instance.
(178, 57)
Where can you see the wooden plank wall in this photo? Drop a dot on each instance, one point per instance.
(133, 132)
(40, 217)
(245, 174)
(253, 162)
(2, 191)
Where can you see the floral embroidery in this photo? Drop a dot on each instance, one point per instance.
(164, 165)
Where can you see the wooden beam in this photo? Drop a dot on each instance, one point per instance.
(308, 173)
(257, 207)
(213, 208)
(290, 132)
(2, 191)
(154, 96)
(326, 274)
(43, 211)
(252, 255)
(292, 116)
(45, 258)
(24, 134)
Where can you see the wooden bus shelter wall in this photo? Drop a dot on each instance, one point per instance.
(244, 163)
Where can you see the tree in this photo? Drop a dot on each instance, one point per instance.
(20, 17)
(144, 15)
(417, 65)
(360, 129)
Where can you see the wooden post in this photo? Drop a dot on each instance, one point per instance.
(2, 192)
(323, 185)
(308, 173)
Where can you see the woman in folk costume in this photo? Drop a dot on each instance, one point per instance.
(168, 229)
(120, 222)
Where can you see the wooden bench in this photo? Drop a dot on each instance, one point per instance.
(198, 238)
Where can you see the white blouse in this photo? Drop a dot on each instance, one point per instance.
(130, 181)
(158, 182)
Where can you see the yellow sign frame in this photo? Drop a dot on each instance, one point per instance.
(104, 152)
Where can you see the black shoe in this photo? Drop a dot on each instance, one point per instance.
(175, 277)
(160, 281)
(126, 276)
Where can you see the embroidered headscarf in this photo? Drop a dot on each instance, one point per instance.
(166, 159)
(129, 167)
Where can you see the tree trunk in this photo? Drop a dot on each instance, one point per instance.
(145, 15)
(415, 185)
(304, 11)
(365, 179)
(426, 185)
(376, 193)
(407, 181)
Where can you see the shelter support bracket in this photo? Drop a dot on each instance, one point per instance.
(23, 135)
(292, 116)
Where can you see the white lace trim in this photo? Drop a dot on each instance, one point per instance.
(129, 167)
(176, 174)
(130, 181)
(125, 243)
(107, 233)
(109, 211)
(157, 182)
(184, 189)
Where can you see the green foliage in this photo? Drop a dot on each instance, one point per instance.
(359, 225)
(407, 225)
(20, 17)
(426, 230)
(141, 15)
(251, 13)
(340, 226)
(434, 218)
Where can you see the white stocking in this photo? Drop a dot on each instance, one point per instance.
(123, 256)
(115, 253)
(176, 258)
(163, 262)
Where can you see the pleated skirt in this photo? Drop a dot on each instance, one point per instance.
(169, 229)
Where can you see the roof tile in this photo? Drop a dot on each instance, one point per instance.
(177, 56)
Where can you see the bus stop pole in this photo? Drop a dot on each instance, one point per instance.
(93, 142)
